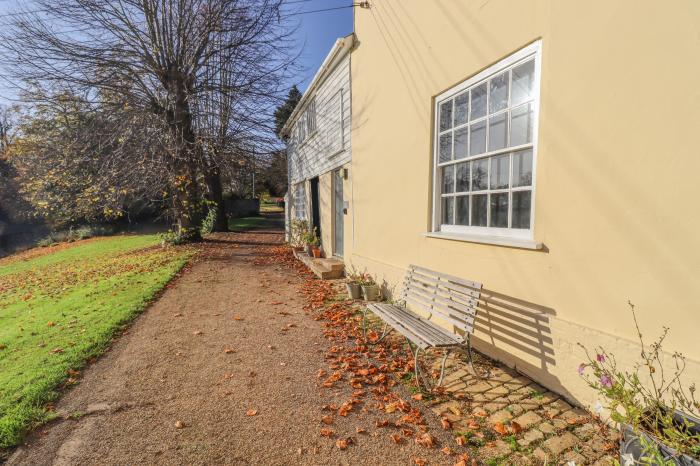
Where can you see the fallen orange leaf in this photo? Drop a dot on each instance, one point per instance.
(500, 428)
(251, 412)
(341, 443)
(326, 433)
(327, 419)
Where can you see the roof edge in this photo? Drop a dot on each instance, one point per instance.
(341, 47)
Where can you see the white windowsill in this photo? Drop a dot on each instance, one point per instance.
(483, 239)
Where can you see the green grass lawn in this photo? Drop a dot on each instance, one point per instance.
(61, 308)
(245, 223)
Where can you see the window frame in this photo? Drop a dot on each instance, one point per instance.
(521, 56)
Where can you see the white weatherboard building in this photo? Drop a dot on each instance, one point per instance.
(318, 151)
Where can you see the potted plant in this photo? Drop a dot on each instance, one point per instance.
(658, 414)
(370, 289)
(311, 240)
(316, 249)
(353, 284)
(299, 230)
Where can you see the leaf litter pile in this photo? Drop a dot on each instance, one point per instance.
(372, 371)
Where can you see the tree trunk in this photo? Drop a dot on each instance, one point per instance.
(187, 205)
(213, 180)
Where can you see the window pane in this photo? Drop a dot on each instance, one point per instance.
(499, 171)
(522, 168)
(448, 214)
(462, 182)
(480, 174)
(461, 108)
(498, 92)
(521, 125)
(477, 138)
(479, 210)
(497, 132)
(446, 115)
(499, 210)
(521, 209)
(523, 82)
(448, 179)
(446, 147)
(462, 210)
(478, 101)
(461, 137)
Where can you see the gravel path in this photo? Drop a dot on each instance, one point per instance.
(226, 340)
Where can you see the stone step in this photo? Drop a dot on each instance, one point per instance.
(323, 268)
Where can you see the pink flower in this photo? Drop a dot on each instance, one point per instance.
(600, 357)
(606, 381)
(581, 368)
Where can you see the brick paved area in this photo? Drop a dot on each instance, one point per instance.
(508, 419)
(512, 420)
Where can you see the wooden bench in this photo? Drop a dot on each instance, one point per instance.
(450, 299)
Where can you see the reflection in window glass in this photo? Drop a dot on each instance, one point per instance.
(522, 201)
(462, 178)
(497, 132)
(500, 171)
(498, 92)
(446, 147)
(462, 210)
(521, 125)
(480, 174)
(499, 210)
(448, 210)
(461, 139)
(523, 82)
(446, 115)
(448, 177)
(479, 214)
(522, 168)
(461, 109)
(478, 102)
(477, 138)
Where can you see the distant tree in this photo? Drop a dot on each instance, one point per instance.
(156, 62)
(285, 110)
(67, 161)
(276, 174)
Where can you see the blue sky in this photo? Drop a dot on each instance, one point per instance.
(316, 32)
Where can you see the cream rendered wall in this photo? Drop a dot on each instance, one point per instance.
(616, 202)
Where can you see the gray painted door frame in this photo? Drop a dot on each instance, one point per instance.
(338, 213)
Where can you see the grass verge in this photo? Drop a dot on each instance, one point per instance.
(60, 309)
(246, 223)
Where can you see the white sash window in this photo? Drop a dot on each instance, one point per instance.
(485, 150)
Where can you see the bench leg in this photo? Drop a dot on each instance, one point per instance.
(385, 331)
(470, 360)
(415, 360)
(442, 367)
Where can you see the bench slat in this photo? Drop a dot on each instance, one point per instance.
(428, 333)
(460, 320)
(405, 320)
(431, 281)
(452, 278)
(448, 299)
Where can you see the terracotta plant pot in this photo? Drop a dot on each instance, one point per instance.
(370, 292)
(316, 252)
(354, 290)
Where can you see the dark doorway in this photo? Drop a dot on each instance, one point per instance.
(315, 211)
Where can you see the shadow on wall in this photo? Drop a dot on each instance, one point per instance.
(518, 333)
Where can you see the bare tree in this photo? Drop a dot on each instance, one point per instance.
(186, 68)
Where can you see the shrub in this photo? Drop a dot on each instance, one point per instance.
(647, 397)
